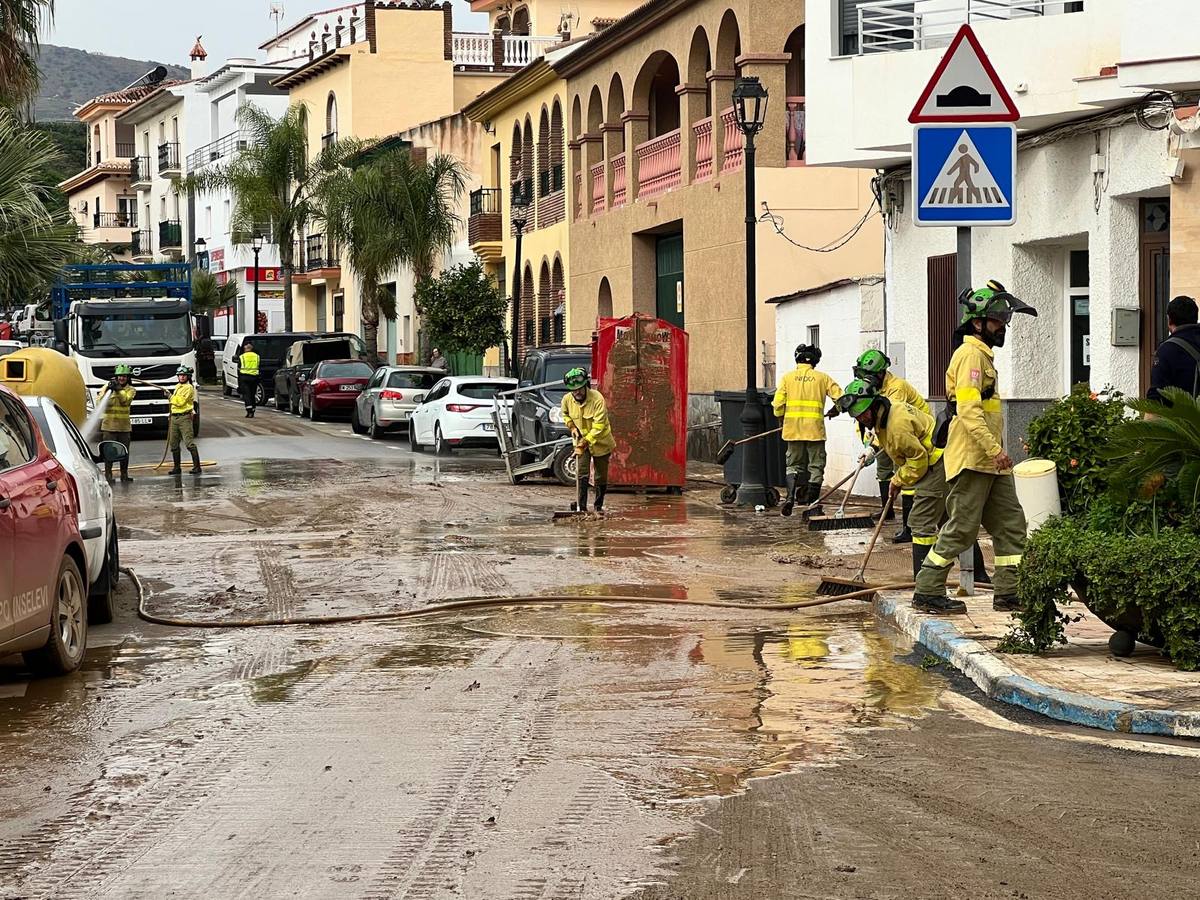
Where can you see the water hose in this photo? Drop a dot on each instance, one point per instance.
(470, 603)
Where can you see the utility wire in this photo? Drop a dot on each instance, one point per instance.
(836, 244)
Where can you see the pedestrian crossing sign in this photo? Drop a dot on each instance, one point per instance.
(964, 175)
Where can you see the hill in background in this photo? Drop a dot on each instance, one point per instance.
(71, 77)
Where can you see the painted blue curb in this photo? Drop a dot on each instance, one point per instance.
(1001, 682)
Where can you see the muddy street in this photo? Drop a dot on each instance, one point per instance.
(585, 749)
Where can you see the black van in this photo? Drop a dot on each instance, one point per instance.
(271, 348)
(536, 416)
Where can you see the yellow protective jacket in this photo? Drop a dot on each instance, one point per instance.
(976, 432)
(116, 415)
(248, 363)
(800, 403)
(898, 390)
(906, 435)
(590, 420)
(184, 399)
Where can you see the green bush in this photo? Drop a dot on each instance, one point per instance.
(1073, 433)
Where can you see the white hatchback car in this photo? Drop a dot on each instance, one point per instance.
(457, 412)
(97, 522)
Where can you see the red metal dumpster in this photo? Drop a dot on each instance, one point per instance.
(640, 364)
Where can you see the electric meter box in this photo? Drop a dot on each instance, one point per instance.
(1126, 327)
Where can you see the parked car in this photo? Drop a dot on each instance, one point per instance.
(390, 397)
(536, 415)
(43, 599)
(97, 521)
(7, 347)
(271, 349)
(457, 412)
(302, 355)
(333, 387)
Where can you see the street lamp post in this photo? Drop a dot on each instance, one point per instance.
(519, 214)
(257, 243)
(750, 107)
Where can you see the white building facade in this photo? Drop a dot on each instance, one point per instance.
(1102, 192)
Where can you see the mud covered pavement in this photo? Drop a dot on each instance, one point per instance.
(583, 750)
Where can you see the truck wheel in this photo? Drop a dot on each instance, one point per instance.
(100, 601)
(68, 625)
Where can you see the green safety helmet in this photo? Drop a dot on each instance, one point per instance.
(806, 353)
(184, 370)
(858, 397)
(872, 364)
(123, 369)
(991, 302)
(576, 378)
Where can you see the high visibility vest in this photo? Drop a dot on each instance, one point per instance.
(977, 430)
(800, 403)
(116, 414)
(248, 363)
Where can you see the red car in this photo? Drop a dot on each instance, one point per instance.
(334, 386)
(43, 597)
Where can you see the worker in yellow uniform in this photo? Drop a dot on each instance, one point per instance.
(114, 426)
(248, 362)
(906, 434)
(873, 367)
(180, 431)
(978, 469)
(800, 405)
(586, 416)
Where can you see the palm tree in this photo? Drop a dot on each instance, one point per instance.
(208, 294)
(274, 181)
(20, 23)
(37, 237)
(1146, 453)
(389, 212)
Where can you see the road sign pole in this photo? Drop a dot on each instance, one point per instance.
(966, 560)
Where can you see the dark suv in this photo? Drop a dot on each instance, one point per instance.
(536, 418)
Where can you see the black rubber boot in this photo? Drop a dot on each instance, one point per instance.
(601, 490)
(904, 536)
(981, 572)
(938, 604)
(196, 467)
(177, 470)
(814, 494)
(1005, 604)
(885, 489)
(581, 497)
(108, 473)
(789, 502)
(125, 470)
(919, 552)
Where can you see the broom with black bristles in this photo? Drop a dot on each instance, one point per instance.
(839, 521)
(836, 587)
(728, 447)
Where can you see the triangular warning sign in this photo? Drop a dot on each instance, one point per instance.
(964, 87)
(965, 181)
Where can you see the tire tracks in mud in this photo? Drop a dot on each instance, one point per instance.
(452, 573)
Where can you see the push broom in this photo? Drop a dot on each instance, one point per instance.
(728, 447)
(836, 587)
(839, 521)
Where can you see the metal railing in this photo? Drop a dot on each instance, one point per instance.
(218, 149)
(115, 219)
(140, 171)
(886, 26)
(143, 244)
(485, 201)
(126, 150)
(317, 255)
(168, 158)
(170, 235)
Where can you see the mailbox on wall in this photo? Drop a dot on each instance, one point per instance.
(640, 364)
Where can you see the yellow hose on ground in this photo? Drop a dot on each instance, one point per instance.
(486, 602)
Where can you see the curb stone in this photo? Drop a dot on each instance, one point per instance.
(1003, 683)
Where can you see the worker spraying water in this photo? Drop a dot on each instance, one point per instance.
(114, 406)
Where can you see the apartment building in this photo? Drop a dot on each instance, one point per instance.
(1107, 176)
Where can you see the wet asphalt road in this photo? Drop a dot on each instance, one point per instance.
(579, 751)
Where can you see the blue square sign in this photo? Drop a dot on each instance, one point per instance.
(964, 175)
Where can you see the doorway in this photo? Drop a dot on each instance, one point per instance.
(1079, 317)
(1154, 278)
(669, 305)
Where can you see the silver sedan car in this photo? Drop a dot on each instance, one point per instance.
(390, 397)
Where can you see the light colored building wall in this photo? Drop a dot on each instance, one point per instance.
(546, 16)
(1185, 228)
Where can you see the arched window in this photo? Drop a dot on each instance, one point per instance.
(331, 121)
(604, 306)
(520, 21)
(557, 147)
(655, 93)
(543, 153)
(558, 302)
(503, 25)
(795, 67)
(528, 311)
(528, 161)
(545, 306)
(699, 65)
(516, 162)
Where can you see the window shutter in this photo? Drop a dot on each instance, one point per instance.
(942, 305)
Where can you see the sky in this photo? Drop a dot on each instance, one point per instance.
(164, 30)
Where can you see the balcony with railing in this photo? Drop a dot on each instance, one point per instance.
(115, 219)
(126, 150)
(620, 181)
(887, 26)
(795, 131)
(598, 199)
(221, 148)
(735, 143)
(704, 148)
(482, 50)
(170, 235)
(168, 159)
(486, 223)
(142, 247)
(659, 165)
(140, 172)
(318, 254)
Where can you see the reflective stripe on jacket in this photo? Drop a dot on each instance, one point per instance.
(589, 419)
(184, 399)
(800, 403)
(248, 363)
(906, 435)
(116, 414)
(977, 431)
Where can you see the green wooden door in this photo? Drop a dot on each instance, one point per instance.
(669, 253)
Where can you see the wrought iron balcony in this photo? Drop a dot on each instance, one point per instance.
(168, 159)
(143, 244)
(126, 150)
(317, 255)
(115, 219)
(886, 26)
(140, 171)
(228, 145)
(484, 226)
(170, 235)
